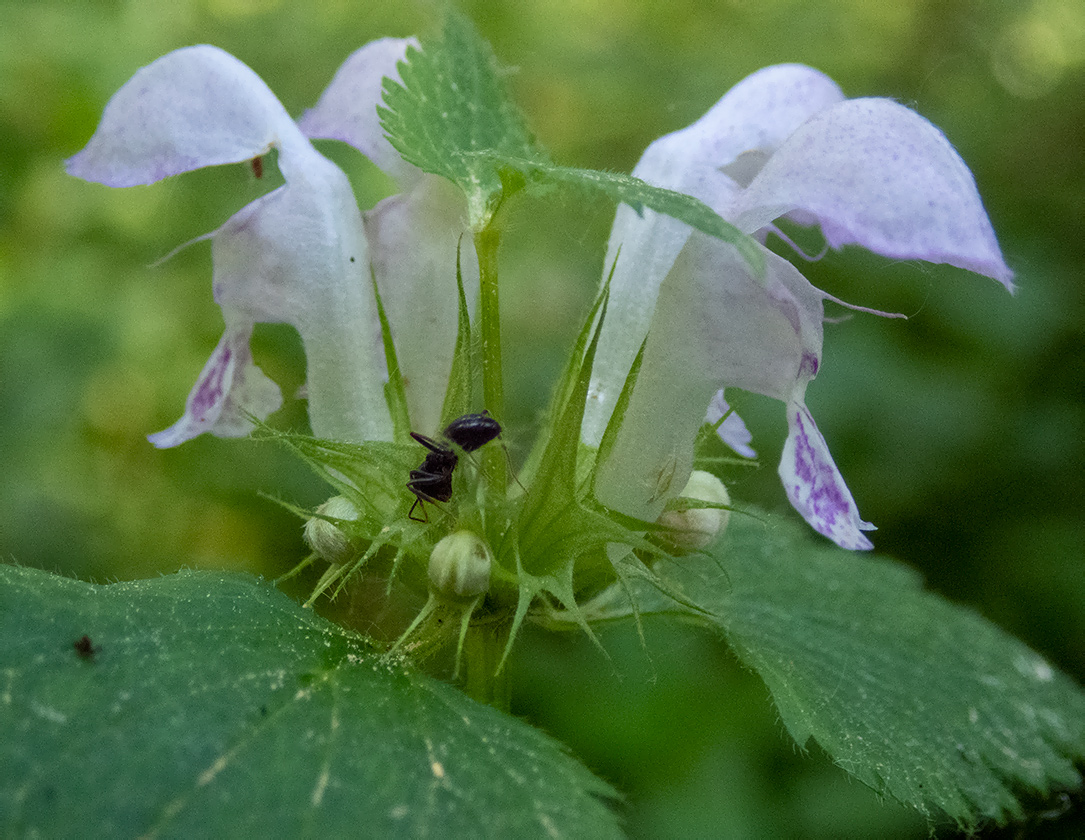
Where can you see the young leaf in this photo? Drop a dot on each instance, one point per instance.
(918, 698)
(452, 105)
(552, 497)
(206, 704)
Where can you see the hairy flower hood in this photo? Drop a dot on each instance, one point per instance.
(783, 142)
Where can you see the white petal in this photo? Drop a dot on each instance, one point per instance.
(761, 335)
(229, 387)
(347, 110)
(194, 107)
(412, 239)
(649, 246)
(876, 174)
(814, 484)
(752, 119)
(758, 114)
(653, 452)
(732, 431)
(714, 325)
(298, 256)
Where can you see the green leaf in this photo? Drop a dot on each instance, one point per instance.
(614, 425)
(394, 390)
(552, 519)
(917, 697)
(370, 474)
(638, 195)
(212, 705)
(452, 105)
(574, 377)
(459, 397)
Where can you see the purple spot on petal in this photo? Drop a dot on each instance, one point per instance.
(816, 488)
(210, 391)
(808, 366)
(824, 496)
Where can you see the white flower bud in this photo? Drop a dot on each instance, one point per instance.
(694, 529)
(325, 538)
(459, 566)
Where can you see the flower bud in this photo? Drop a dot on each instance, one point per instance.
(459, 566)
(694, 529)
(326, 538)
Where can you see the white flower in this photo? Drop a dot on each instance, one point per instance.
(298, 255)
(782, 142)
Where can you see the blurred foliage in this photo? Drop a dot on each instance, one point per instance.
(961, 431)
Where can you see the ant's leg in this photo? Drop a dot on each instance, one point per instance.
(470, 456)
(429, 443)
(417, 502)
(512, 472)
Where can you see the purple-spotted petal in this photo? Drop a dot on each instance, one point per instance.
(876, 174)
(814, 484)
(418, 285)
(347, 110)
(732, 431)
(194, 107)
(229, 387)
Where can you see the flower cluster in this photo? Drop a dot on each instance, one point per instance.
(685, 310)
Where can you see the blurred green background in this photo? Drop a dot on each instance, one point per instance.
(961, 431)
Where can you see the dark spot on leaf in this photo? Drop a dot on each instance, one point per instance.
(85, 648)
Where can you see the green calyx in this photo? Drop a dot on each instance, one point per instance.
(493, 554)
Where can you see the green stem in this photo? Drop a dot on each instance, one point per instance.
(482, 650)
(487, 241)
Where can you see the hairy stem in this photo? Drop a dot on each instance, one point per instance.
(487, 241)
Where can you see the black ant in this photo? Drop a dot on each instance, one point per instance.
(432, 481)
